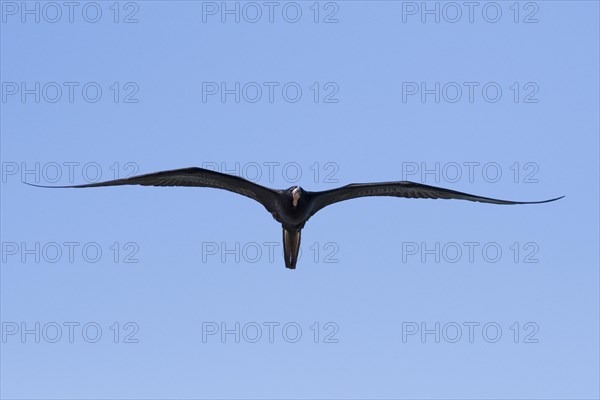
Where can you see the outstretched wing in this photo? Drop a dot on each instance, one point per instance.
(198, 177)
(405, 189)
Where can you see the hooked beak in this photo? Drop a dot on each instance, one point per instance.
(296, 196)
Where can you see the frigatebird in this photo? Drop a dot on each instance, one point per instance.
(292, 207)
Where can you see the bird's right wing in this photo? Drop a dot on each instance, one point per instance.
(198, 177)
(400, 189)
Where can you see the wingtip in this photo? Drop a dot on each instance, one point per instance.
(554, 199)
(536, 202)
(31, 184)
(47, 187)
(539, 202)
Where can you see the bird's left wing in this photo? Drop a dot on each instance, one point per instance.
(198, 177)
(405, 189)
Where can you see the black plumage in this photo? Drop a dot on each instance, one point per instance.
(294, 206)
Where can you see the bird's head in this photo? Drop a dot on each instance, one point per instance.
(296, 194)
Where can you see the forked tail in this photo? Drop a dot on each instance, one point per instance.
(291, 247)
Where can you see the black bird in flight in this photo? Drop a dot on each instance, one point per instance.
(294, 206)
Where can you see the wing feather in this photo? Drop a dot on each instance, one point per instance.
(195, 177)
(404, 189)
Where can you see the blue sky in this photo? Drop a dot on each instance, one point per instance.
(136, 292)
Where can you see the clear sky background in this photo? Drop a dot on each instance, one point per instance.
(522, 323)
